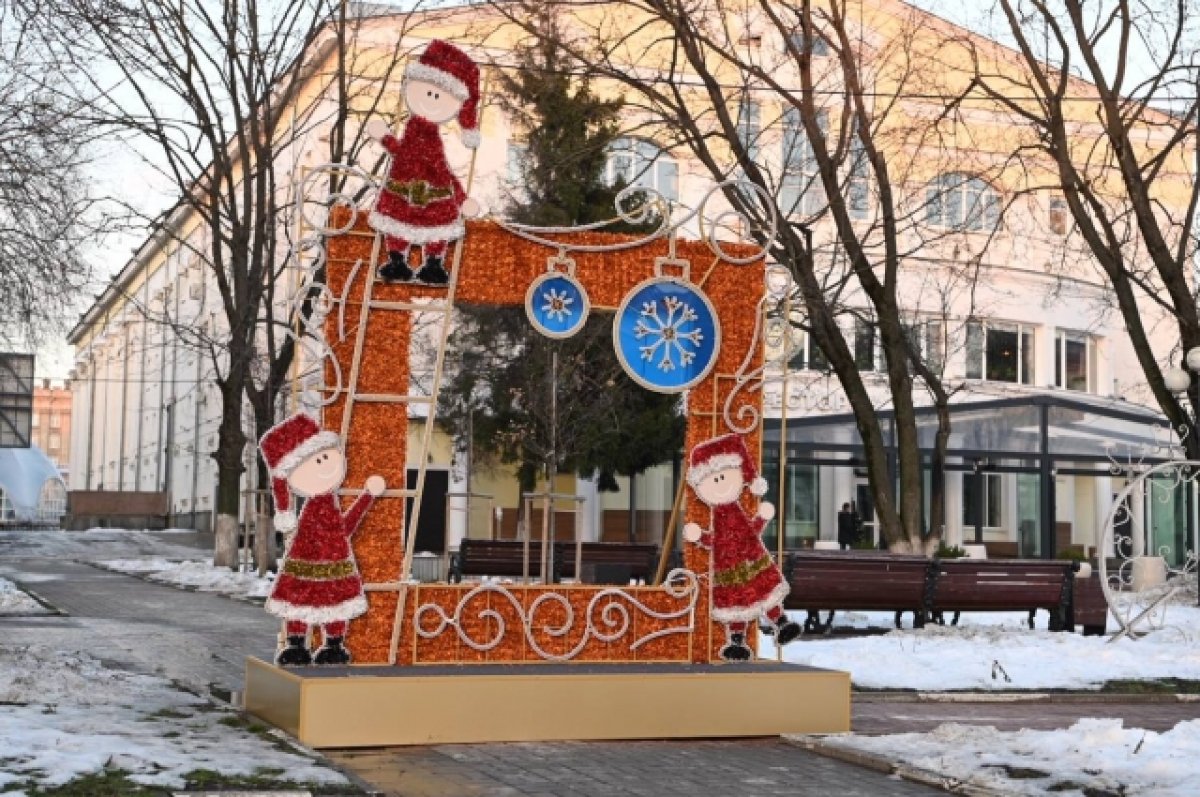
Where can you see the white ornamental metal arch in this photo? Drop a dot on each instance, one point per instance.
(1141, 581)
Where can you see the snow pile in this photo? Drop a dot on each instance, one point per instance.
(1100, 756)
(201, 575)
(98, 544)
(999, 652)
(13, 601)
(66, 716)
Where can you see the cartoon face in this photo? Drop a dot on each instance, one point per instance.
(319, 474)
(431, 101)
(722, 487)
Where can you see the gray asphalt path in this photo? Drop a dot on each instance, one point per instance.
(888, 716)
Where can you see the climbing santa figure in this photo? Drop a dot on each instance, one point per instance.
(422, 203)
(318, 582)
(746, 583)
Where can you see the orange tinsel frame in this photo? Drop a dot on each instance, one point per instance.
(497, 268)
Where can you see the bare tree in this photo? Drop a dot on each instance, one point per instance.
(46, 212)
(734, 84)
(216, 98)
(1110, 92)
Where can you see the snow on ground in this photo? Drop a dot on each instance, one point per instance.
(15, 602)
(1094, 756)
(100, 544)
(201, 575)
(67, 715)
(998, 652)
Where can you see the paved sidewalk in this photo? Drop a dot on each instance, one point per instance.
(744, 768)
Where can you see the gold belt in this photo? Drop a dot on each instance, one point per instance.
(319, 571)
(417, 192)
(744, 573)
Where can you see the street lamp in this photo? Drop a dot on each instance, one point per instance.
(1179, 380)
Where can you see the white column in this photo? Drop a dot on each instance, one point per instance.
(954, 508)
(841, 490)
(459, 508)
(1138, 528)
(588, 519)
(1102, 503)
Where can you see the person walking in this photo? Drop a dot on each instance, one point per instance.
(845, 527)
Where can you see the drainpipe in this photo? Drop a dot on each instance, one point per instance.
(124, 408)
(141, 420)
(93, 364)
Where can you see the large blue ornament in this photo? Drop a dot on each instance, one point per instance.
(556, 304)
(667, 335)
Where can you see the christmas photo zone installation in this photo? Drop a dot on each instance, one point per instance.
(367, 655)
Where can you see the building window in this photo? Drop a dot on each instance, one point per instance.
(1059, 215)
(800, 513)
(820, 45)
(858, 193)
(800, 190)
(55, 420)
(514, 172)
(635, 161)
(6, 508)
(1072, 361)
(1000, 352)
(866, 354)
(809, 356)
(52, 502)
(993, 499)
(959, 201)
(749, 127)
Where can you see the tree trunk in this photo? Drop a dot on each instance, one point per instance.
(230, 466)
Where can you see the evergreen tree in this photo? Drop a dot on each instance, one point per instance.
(501, 392)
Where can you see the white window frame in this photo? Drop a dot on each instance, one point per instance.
(962, 202)
(800, 188)
(640, 162)
(1021, 330)
(1061, 337)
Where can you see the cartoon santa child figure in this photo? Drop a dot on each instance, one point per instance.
(422, 203)
(318, 583)
(747, 584)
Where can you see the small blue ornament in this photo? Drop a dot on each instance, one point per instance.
(666, 334)
(557, 304)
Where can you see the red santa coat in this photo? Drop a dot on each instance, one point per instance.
(421, 199)
(746, 582)
(319, 580)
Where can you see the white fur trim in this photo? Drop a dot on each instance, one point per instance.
(430, 74)
(321, 441)
(314, 615)
(414, 234)
(758, 486)
(697, 473)
(471, 139)
(285, 522)
(739, 614)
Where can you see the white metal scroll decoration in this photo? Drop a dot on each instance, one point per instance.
(606, 619)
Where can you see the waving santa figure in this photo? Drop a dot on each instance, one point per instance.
(422, 203)
(746, 582)
(318, 582)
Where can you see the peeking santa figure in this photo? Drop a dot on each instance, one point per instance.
(422, 203)
(318, 582)
(746, 583)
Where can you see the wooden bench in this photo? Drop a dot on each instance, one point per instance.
(608, 562)
(495, 558)
(832, 580)
(984, 585)
(1089, 608)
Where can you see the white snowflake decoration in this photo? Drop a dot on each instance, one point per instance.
(668, 335)
(557, 304)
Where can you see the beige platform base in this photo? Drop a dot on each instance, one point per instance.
(377, 706)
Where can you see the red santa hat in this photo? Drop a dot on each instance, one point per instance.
(723, 453)
(444, 65)
(284, 448)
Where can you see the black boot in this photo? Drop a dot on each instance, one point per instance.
(396, 269)
(736, 650)
(785, 630)
(433, 273)
(295, 654)
(332, 652)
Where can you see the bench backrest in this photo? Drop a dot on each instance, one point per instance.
(981, 584)
(834, 580)
(496, 557)
(640, 558)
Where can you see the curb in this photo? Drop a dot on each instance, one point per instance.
(877, 763)
(1135, 698)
